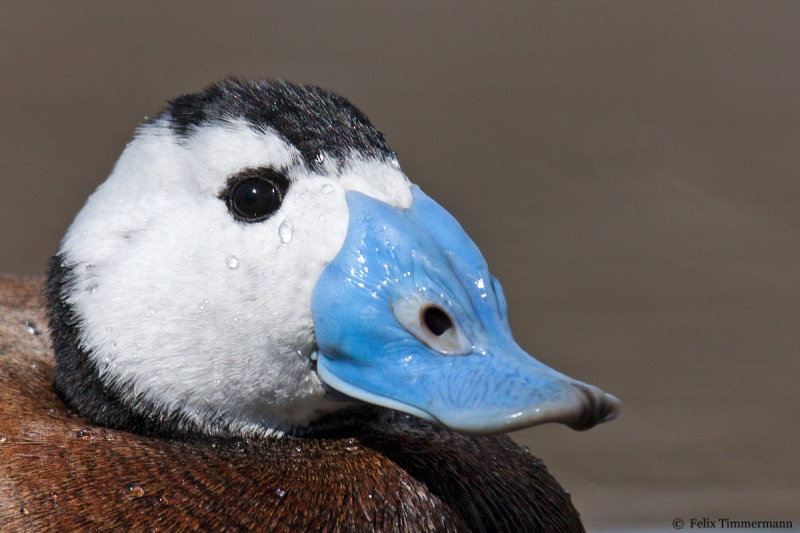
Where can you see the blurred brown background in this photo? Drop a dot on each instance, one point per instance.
(629, 169)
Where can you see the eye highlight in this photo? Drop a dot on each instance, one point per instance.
(255, 193)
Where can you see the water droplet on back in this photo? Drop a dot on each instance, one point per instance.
(30, 327)
(285, 231)
(232, 262)
(280, 493)
(134, 490)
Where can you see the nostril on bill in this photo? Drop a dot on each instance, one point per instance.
(436, 320)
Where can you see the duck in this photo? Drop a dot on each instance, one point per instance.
(257, 322)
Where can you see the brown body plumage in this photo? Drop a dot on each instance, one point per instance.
(59, 473)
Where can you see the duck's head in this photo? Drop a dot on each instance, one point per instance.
(258, 259)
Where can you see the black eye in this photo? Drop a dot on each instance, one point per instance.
(255, 193)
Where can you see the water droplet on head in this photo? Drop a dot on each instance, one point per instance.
(84, 434)
(24, 510)
(320, 158)
(53, 496)
(394, 162)
(327, 188)
(232, 262)
(2, 439)
(285, 231)
(280, 493)
(151, 311)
